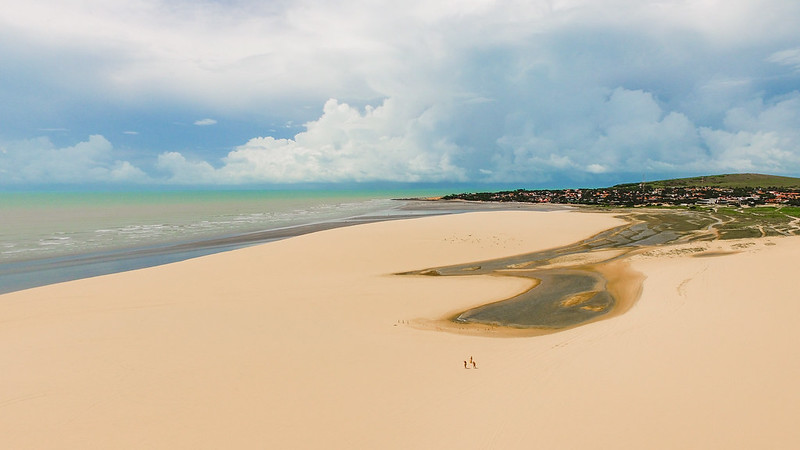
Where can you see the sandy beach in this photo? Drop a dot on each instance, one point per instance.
(315, 342)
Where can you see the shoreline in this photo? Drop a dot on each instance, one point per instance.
(27, 274)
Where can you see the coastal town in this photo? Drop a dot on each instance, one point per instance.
(631, 195)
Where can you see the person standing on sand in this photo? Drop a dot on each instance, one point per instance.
(465, 365)
(474, 366)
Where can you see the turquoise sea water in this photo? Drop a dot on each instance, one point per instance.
(48, 237)
(47, 224)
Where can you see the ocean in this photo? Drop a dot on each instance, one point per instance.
(48, 237)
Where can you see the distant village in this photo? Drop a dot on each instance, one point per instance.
(644, 195)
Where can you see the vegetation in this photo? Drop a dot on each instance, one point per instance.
(721, 189)
(714, 222)
(700, 208)
(731, 181)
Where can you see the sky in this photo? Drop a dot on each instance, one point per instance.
(529, 93)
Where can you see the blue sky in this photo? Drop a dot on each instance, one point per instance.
(529, 93)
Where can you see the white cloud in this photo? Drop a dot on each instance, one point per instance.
(239, 54)
(623, 131)
(631, 132)
(789, 57)
(183, 171)
(596, 168)
(486, 90)
(38, 160)
(390, 142)
(618, 130)
(628, 131)
(758, 137)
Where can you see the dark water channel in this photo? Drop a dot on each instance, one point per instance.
(568, 296)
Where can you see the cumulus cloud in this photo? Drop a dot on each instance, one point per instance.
(479, 90)
(619, 130)
(758, 137)
(627, 131)
(622, 130)
(630, 132)
(389, 142)
(38, 160)
(186, 172)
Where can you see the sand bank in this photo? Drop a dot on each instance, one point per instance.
(308, 343)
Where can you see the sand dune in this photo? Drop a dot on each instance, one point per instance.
(309, 343)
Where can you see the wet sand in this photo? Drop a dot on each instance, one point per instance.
(568, 284)
(314, 341)
(568, 287)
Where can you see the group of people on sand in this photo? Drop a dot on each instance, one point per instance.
(471, 362)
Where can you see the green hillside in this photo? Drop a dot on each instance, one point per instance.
(736, 180)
